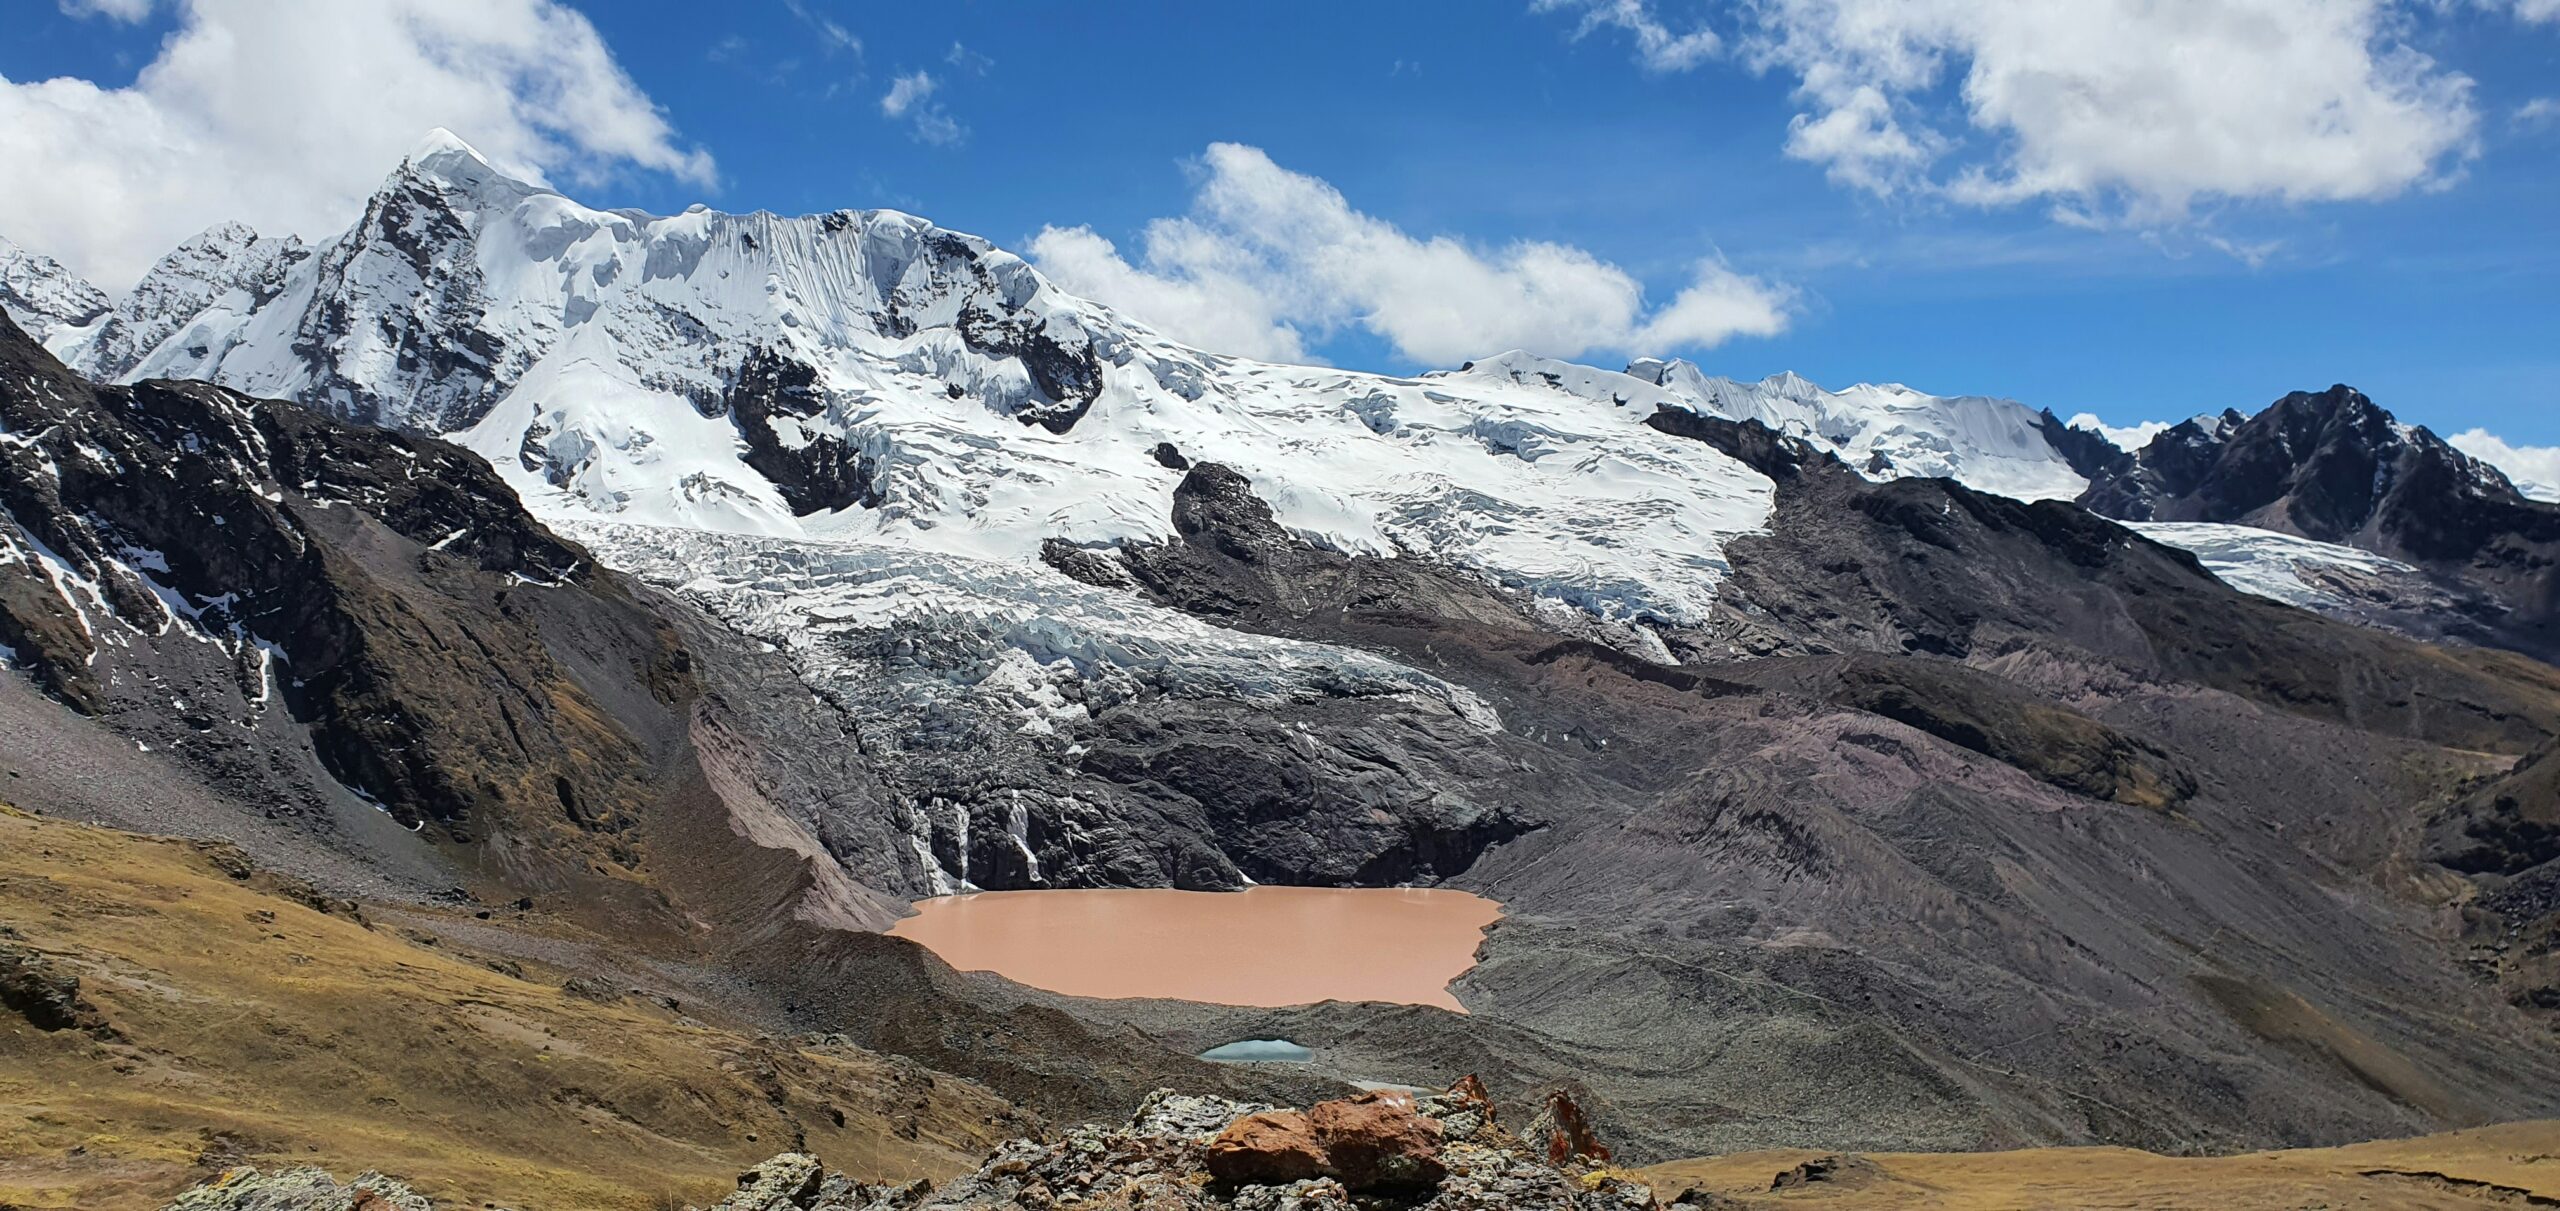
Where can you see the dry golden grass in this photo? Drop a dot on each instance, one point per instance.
(257, 1029)
(2516, 1164)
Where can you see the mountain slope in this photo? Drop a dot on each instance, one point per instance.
(1891, 431)
(2001, 797)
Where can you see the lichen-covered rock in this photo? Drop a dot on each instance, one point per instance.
(1562, 1130)
(789, 1182)
(247, 1189)
(1375, 1152)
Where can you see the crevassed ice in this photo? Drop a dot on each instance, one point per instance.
(953, 630)
(2266, 563)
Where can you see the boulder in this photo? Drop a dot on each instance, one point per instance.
(1376, 1141)
(303, 1189)
(1270, 1148)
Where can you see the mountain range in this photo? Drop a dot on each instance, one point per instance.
(1862, 768)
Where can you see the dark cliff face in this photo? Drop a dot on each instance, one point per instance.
(387, 591)
(2333, 466)
(410, 239)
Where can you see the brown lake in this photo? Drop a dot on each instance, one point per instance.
(1266, 946)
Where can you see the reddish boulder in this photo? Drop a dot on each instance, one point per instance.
(1565, 1134)
(1271, 1148)
(1376, 1141)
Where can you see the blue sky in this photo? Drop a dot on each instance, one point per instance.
(2432, 283)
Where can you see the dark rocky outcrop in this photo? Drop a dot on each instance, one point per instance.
(38, 990)
(818, 473)
(2333, 466)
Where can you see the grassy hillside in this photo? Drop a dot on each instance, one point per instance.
(2516, 1164)
(243, 1024)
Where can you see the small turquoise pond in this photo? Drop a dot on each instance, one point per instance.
(1259, 1051)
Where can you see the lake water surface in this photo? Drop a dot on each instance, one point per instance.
(1263, 946)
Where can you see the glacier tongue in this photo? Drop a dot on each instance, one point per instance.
(926, 647)
(869, 376)
(2281, 567)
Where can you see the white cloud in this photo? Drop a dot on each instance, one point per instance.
(911, 96)
(2540, 111)
(965, 59)
(2537, 10)
(2129, 438)
(287, 114)
(2535, 469)
(906, 92)
(1267, 258)
(832, 35)
(1657, 48)
(2129, 110)
(121, 10)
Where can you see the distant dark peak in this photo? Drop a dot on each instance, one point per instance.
(2335, 466)
(2090, 454)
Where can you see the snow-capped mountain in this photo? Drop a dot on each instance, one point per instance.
(1887, 431)
(189, 301)
(869, 375)
(42, 294)
(866, 376)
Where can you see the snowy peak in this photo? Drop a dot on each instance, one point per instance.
(440, 142)
(182, 303)
(43, 295)
(869, 376)
(1885, 431)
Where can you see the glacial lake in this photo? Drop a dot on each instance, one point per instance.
(1264, 946)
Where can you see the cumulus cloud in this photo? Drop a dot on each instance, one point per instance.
(1268, 259)
(2128, 438)
(2540, 111)
(2106, 112)
(288, 113)
(2535, 469)
(2119, 108)
(1656, 46)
